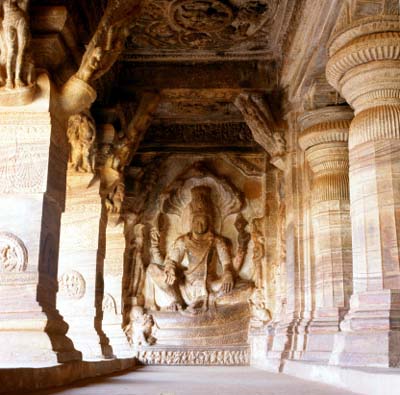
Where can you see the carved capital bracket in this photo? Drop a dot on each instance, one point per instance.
(263, 127)
(124, 146)
(103, 50)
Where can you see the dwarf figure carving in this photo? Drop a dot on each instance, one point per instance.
(14, 42)
(140, 327)
(81, 136)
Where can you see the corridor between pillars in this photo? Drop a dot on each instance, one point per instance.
(364, 66)
(324, 140)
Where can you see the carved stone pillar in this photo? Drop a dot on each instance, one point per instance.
(80, 275)
(324, 140)
(113, 287)
(32, 191)
(364, 67)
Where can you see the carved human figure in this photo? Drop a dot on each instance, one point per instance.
(140, 327)
(197, 267)
(15, 40)
(81, 136)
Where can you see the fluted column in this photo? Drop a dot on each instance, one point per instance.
(324, 140)
(364, 67)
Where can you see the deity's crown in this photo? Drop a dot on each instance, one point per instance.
(201, 202)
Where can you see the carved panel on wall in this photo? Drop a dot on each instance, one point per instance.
(13, 253)
(72, 285)
(196, 255)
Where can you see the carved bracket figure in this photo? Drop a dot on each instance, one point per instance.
(81, 136)
(109, 39)
(261, 123)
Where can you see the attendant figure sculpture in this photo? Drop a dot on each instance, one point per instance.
(81, 135)
(15, 41)
(198, 268)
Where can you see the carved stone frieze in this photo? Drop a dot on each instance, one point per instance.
(239, 356)
(72, 285)
(205, 25)
(13, 254)
(225, 134)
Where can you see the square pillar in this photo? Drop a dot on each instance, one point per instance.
(33, 151)
(114, 263)
(81, 265)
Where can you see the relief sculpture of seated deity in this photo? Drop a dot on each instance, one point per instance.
(197, 273)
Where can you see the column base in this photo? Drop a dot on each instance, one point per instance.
(321, 333)
(370, 332)
(35, 340)
(92, 346)
(118, 341)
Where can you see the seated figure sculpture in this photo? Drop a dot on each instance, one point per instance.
(198, 268)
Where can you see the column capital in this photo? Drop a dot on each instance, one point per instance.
(364, 64)
(325, 125)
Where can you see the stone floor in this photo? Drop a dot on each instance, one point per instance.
(165, 380)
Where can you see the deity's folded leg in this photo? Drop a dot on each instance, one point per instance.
(157, 292)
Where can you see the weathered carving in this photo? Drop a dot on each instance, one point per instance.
(195, 282)
(243, 242)
(259, 119)
(81, 136)
(139, 329)
(109, 305)
(194, 357)
(13, 253)
(258, 239)
(72, 285)
(137, 275)
(14, 42)
(260, 314)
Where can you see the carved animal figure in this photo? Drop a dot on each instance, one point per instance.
(16, 37)
(81, 136)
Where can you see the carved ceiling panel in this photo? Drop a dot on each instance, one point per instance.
(216, 28)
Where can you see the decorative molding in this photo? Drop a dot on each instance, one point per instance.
(13, 254)
(231, 357)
